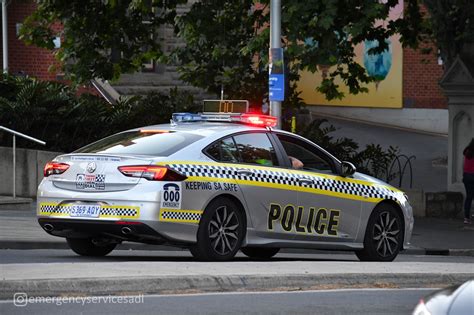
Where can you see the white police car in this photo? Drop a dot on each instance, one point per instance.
(216, 183)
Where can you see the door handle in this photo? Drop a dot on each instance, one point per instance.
(305, 181)
(245, 172)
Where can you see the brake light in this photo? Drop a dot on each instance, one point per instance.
(151, 172)
(259, 120)
(54, 168)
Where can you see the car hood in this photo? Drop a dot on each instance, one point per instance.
(371, 179)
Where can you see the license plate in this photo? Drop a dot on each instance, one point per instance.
(88, 211)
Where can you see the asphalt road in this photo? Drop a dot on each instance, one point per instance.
(359, 301)
(9, 256)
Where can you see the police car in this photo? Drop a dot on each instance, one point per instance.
(216, 183)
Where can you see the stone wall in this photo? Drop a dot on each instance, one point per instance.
(29, 170)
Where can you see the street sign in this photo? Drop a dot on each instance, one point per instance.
(276, 80)
(276, 87)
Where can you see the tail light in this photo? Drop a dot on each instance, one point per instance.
(151, 172)
(54, 168)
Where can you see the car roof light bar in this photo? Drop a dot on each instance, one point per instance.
(250, 119)
(226, 111)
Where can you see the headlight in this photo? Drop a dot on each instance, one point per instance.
(421, 309)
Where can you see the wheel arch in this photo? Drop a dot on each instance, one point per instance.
(236, 201)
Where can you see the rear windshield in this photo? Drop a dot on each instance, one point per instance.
(142, 143)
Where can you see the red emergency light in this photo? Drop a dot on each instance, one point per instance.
(259, 120)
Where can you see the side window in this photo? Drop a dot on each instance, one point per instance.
(224, 151)
(256, 148)
(303, 152)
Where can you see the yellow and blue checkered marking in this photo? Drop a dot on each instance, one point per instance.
(106, 211)
(180, 216)
(323, 184)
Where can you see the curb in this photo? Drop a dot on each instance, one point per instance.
(207, 283)
(132, 246)
(439, 251)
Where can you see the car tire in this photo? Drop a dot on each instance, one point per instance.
(260, 252)
(86, 247)
(221, 231)
(383, 236)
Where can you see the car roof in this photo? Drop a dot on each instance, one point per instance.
(204, 128)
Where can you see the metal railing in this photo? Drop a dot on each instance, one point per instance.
(16, 133)
(401, 169)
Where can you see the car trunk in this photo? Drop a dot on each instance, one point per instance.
(97, 172)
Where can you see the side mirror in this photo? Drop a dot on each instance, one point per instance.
(347, 169)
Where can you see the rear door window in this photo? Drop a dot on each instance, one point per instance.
(256, 148)
(224, 151)
(160, 143)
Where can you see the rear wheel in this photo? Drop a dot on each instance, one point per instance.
(260, 252)
(221, 231)
(88, 247)
(384, 235)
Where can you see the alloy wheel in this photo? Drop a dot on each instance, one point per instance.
(223, 230)
(385, 234)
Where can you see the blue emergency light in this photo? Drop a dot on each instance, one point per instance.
(226, 111)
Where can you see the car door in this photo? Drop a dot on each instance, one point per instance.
(262, 180)
(325, 212)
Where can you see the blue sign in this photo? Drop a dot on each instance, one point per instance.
(276, 71)
(276, 87)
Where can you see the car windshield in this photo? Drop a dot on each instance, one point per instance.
(156, 143)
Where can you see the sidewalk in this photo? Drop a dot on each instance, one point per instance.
(20, 230)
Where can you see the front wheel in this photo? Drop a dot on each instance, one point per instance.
(221, 231)
(384, 235)
(260, 252)
(87, 247)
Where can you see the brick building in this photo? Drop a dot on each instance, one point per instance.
(421, 75)
(423, 101)
(23, 59)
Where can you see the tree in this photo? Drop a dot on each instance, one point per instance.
(217, 53)
(451, 26)
(226, 41)
(100, 39)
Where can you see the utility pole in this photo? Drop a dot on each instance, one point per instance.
(4, 36)
(275, 42)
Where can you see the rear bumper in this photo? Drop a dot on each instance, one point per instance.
(119, 231)
(139, 205)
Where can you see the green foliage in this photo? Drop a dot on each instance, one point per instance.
(373, 160)
(226, 41)
(54, 113)
(451, 26)
(100, 39)
(217, 53)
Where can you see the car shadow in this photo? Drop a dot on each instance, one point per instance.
(182, 257)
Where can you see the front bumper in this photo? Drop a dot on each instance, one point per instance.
(409, 223)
